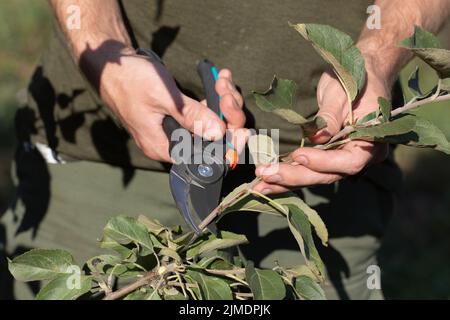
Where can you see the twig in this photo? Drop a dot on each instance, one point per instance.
(397, 111)
(217, 211)
(145, 280)
(350, 129)
(226, 272)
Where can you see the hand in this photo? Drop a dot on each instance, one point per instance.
(142, 93)
(313, 166)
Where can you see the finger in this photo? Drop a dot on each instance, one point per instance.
(150, 138)
(199, 119)
(332, 101)
(267, 188)
(349, 160)
(239, 138)
(225, 85)
(233, 114)
(297, 176)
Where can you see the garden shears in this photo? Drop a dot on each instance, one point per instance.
(196, 185)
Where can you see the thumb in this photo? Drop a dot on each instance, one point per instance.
(332, 101)
(199, 119)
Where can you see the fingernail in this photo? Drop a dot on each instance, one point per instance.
(266, 191)
(302, 160)
(212, 130)
(273, 179)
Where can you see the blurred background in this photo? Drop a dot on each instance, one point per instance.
(415, 258)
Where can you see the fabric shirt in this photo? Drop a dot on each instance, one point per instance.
(252, 38)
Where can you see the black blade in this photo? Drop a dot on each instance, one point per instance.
(180, 191)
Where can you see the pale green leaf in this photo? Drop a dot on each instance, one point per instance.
(265, 284)
(301, 270)
(339, 50)
(255, 204)
(308, 289)
(301, 230)
(426, 46)
(368, 117)
(406, 129)
(126, 230)
(385, 108)
(40, 264)
(152, 226)
(224, 240)
(262, 149)
(103, 263)
(279, 99)
(211, 288)
(109, 243)
(65, 287)
(143, 294)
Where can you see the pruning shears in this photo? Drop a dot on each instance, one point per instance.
(196, 185)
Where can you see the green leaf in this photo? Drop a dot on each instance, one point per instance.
(301, 229)
(103, 263)
(368, 117)
(224, 240)
(153, 226)
(252, 203)
(279, 99)
(265, 284)
(421, 39)
(301, 270)
(211, 288)
(313, 217)
(385, 108)
(406, 129)
(262, 149)
(179, 296)
(109, 243)
(126, 230)
(339, 50)
(40, 264)
(143, 294)
(427, 47)
(66, 287)
(170, 253)
(308, 289)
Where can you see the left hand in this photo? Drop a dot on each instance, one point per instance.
(314, 166)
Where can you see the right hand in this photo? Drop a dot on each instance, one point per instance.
(142, 93)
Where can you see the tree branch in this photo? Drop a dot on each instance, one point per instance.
(350, 129)
(145, 280)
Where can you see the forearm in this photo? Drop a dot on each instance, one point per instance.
(398, 17)
(101, 21)
(100, 42)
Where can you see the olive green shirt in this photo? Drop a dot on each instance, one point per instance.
(252, 38)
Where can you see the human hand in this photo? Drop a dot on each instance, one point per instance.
(142, 93)
(312, 166)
